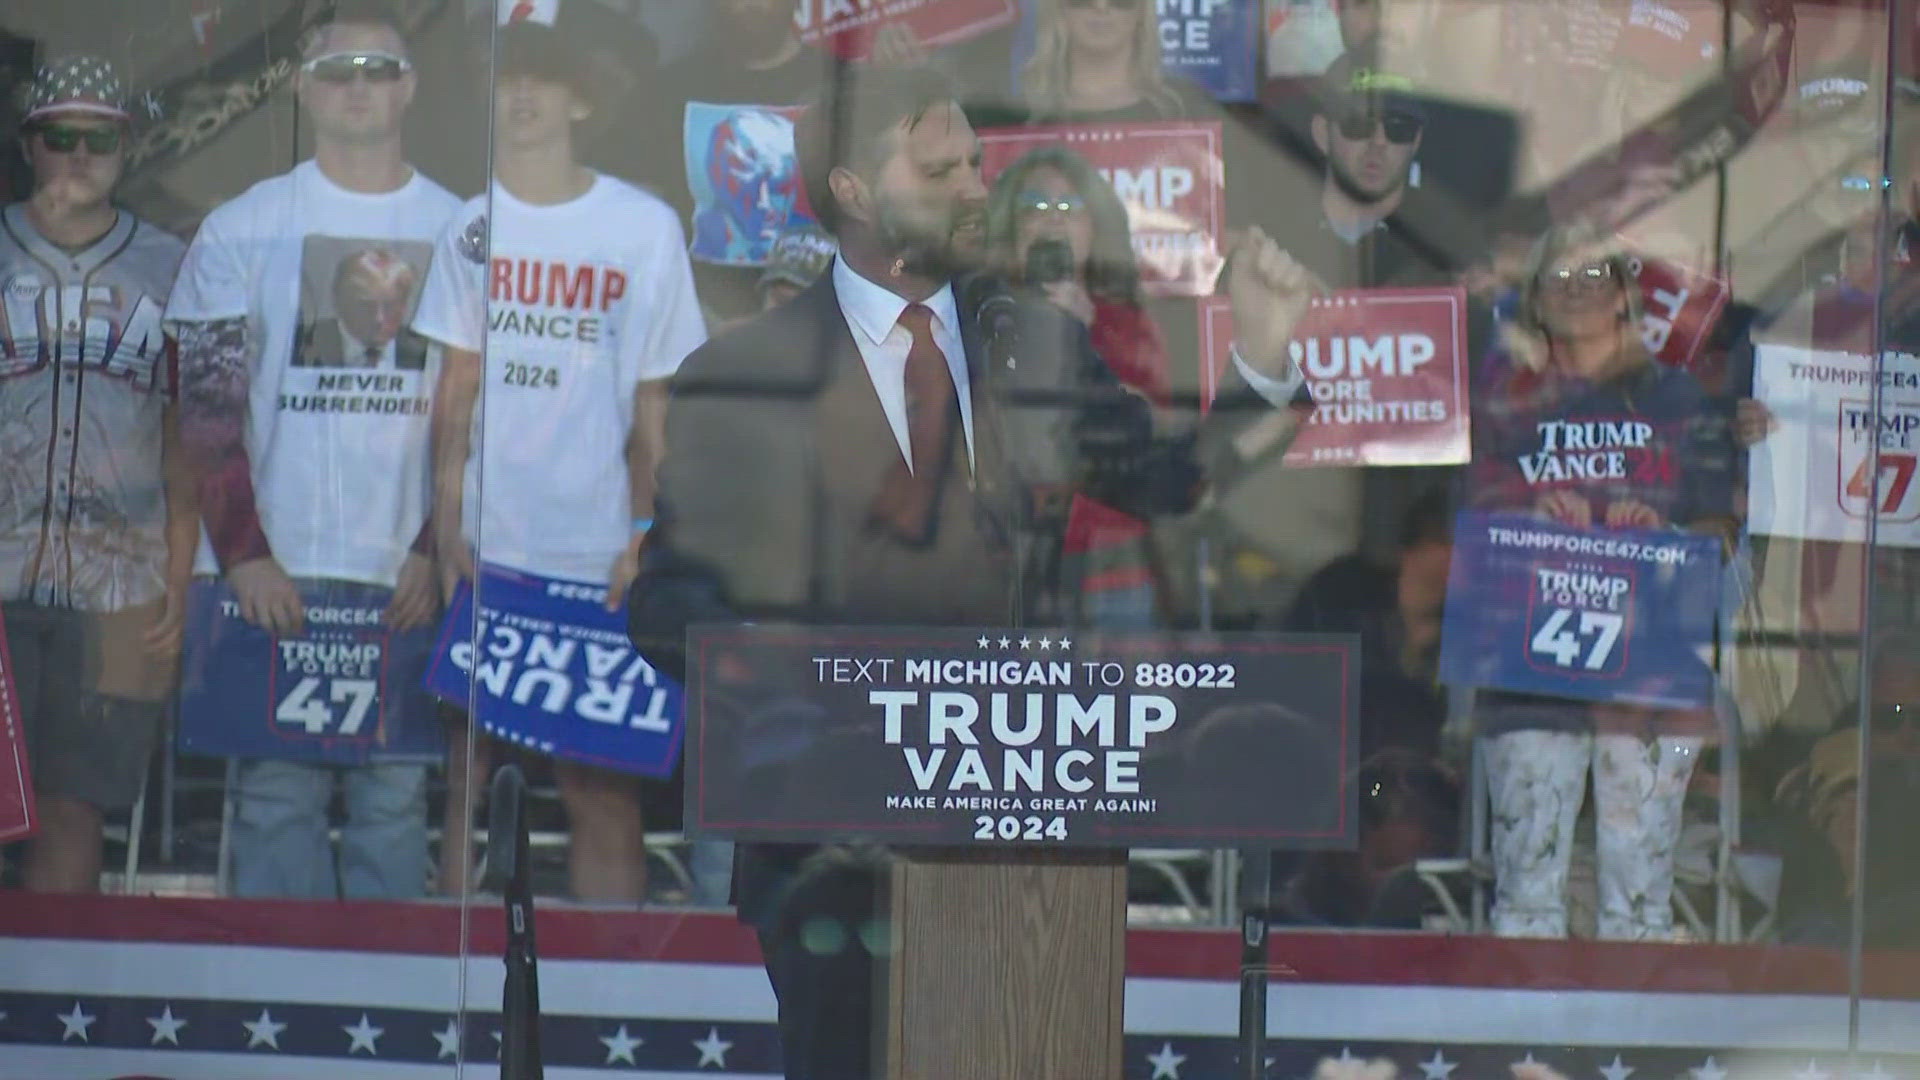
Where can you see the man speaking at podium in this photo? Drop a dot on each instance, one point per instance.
(869, 454)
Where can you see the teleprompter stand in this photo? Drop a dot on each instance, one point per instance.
(508, 874)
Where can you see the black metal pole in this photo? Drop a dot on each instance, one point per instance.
(1256, 903)
(508, 873)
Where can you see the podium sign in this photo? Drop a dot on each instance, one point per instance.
(997, 737)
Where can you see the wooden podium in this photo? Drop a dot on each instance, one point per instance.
(1005, 964)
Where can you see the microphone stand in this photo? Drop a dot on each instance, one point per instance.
(508, 874)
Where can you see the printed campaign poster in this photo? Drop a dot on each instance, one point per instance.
(356, 304)
(1302, 37)
(1213, 43)
(548, 667)
(1028, 737)
(1168, 174)
(744, 179)
(16, 780)
(1616, 616)
(1387, 369)
(850, 26)
(1818, 476)
(345, 692)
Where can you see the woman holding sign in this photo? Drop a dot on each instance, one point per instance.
(1577, 425)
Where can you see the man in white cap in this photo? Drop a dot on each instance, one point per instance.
(576, 288)
(96, 515)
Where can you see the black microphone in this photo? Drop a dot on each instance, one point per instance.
(991, 305)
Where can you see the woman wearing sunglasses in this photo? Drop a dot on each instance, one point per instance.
(1576, 423)
(1055, 226)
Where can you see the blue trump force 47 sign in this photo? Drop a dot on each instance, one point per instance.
(550, 668)
(1617, 616)
(345, 692)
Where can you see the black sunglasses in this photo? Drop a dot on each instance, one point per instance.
(1117, 5)
(61, 139)
(1399, 128)
(338, 69)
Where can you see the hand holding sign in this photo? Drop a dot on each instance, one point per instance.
(1269, 291)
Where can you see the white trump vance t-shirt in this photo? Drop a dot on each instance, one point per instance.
(573, 306)
(340, 390)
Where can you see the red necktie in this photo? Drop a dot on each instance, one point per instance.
(906, 500)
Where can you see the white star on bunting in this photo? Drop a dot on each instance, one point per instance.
(1710, 1071)
(365, 1037)
(620, 1046)
(1439, 1068)
(165, 1027)
(264, 1031)
(713, 1049)
(1619, 1070)
(449, 1040)
(1166, 1063)
(75, 1023)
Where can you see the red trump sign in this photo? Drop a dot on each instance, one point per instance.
(1385, 367)
(16, 783)
(849, 27)
(1168, 174)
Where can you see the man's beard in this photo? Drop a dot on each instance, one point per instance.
(1351, 188)
(923, 251)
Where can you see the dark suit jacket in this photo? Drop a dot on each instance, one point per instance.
(321, 344)
(750, 521)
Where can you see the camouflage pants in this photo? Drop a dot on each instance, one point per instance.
(1537, 781)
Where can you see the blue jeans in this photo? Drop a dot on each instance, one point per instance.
(280, 842)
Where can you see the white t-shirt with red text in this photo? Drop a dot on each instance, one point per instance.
(573, 305)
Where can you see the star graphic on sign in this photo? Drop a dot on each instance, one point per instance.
(499, 1043)
(263, 1031)
(1046, 644)
(620, 1046)
(1619, 1070)
(75, 1023)
(984, 643)
(1026, 642)
(1710, 1071)
(1004, 642)
(1813, 1071)
(1346, 1055)
(1878, 1073)
(166, 1027)
(449, 1040)
(1064, 644)
(1166, 1063)
(364, 1036)
(713, 1049)
(1439, 1068)
(1528, 1060)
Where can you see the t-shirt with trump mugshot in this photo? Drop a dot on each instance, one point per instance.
(338, 388)
(573, 305)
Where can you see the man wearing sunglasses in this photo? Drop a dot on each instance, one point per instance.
(311, 470)
(93, 493)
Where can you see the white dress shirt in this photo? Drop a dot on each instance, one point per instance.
(873, 315)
